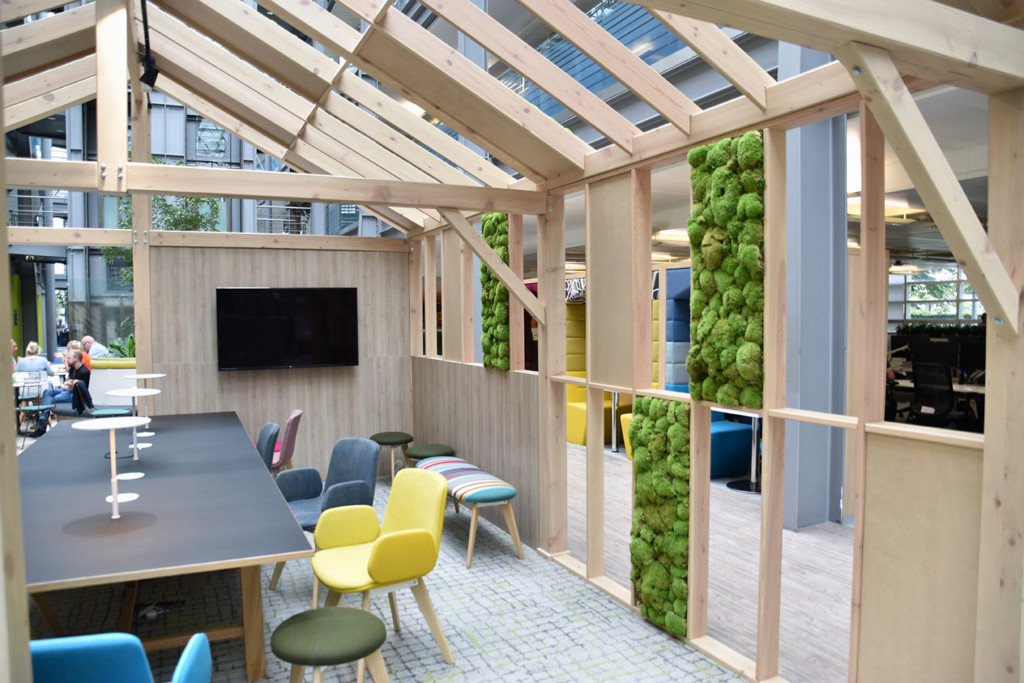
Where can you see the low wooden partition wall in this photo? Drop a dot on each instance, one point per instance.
(337, 401)
(922, 525)
(490, 418)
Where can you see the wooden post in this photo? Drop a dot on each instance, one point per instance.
(773, 462)
(700, 520)
(111, 95)
(871, 339)
(451, 295)
(516, 339)
(416, 298)
(662, 327)
(997, 655)
(595, 482)
(551, 362)
(430, 296)
(15, 663)
(142, 225)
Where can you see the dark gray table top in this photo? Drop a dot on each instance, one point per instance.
(206, 502)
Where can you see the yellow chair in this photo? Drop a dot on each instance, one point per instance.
(355, 554)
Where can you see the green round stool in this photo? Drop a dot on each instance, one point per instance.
(427, 450)
(393, 439)
(328, 636)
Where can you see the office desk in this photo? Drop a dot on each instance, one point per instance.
(908, 384)
(206, 503)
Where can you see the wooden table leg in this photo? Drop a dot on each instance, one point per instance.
(43, 603)
(252, 623)
(131, 592)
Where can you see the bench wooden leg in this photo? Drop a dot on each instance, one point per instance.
(510, 520)
(298, 671)
(276, 576)
(472, 534)
(394, 610)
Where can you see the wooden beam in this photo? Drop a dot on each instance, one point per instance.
(96, 237)
(700, 518)
(416, 298)
(38, 85)
(142, 228)
(451, 296)
(10, 10)
(405, 121)
(111, 88)
(52, 40)
(927, 39)
(773, 453)
(870, 342)
(880, 83)
(253, 240)
(594, 477)
(219, 182)
(722, 54)
(487, 255)
(45, 173)
(997, 639)
(52, 102)
(615, 58)
(510, 49)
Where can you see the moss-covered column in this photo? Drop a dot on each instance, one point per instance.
(659, 546)
(494, 337)
(726, 231)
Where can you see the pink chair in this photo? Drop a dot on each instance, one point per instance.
(283, 456)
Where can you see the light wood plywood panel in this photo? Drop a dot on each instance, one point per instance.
(610, 281)
(490, 418)
(337, 402)
(920, 561)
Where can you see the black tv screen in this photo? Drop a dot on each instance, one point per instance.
(286, 327)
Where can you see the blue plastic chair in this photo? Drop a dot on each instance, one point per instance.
(266, 441)
(351, 480)
(105, 657)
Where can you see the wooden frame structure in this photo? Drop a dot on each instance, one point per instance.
(275, 91)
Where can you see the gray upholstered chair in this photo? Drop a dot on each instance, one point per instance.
(266, 441)
(351, 480)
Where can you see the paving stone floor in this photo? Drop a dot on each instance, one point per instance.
(505, 619)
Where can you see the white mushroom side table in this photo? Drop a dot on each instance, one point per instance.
(113, 424)
(145, 377)
(135, 393)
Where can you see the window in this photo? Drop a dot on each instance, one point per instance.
(211, 141)
(936, 295)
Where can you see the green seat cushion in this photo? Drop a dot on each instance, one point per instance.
(428, 450)
(391, 438)
(328, 635)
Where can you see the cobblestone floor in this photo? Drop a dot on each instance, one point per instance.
(505, 619)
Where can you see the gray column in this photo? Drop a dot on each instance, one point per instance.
(816, 306)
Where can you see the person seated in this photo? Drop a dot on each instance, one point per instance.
(93, 347)
(75, 344)
(76, 389)
(33, 362)
(14, 356)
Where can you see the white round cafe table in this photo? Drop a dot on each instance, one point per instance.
(145, 377)
(113, 424)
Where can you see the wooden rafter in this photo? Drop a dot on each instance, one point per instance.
(52, 40)
(515, 53)
(417, 64)
(500, 269)
(417, 128)
(36, 97)
(926, 39)
(11, 10)
(721, 53)
(879, 81)
(615, 58)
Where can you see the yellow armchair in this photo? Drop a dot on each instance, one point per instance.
(356, 555)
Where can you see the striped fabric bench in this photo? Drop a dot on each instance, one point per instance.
(468, 484)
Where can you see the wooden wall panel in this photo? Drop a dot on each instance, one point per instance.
(610, 282)
(343, 401)
(920, 560)
(490, 418)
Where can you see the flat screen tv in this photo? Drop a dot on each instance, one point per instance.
(286, 327)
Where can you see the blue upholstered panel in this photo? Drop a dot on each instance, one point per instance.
(675, 373)
(679, 283)
(677, 309)
(676, 352)
(677, 330)
(730, 449)
(685, 388)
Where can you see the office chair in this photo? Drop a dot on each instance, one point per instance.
(934, 402)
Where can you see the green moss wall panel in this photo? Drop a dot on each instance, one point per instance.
(494, 328)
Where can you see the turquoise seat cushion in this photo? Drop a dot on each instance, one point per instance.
(328, 635)
(468, 483)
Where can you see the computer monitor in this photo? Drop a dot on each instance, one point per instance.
(942, 350)
(972, 359)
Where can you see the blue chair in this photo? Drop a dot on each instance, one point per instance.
(266, 441)
(351, 480)
(104, 657)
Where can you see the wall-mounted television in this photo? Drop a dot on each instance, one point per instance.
(286, 327)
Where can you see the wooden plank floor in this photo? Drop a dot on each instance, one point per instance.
(817, 571)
